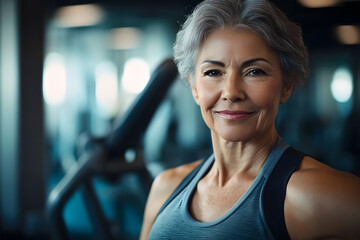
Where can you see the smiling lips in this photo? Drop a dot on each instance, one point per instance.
(234, 115)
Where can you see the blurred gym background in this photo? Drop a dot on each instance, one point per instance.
(70, 69)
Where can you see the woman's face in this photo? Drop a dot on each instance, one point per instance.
(238, 85)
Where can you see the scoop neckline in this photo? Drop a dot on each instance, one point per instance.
(266, 169)
(191, 190)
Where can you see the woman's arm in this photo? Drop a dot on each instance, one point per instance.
(322, 203)
(162, 188)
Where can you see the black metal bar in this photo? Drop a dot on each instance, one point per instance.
(78, 173)
(133, 124)
(127, 134)
(101, 226)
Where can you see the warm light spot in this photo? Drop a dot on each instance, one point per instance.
(136, 75)
(342, 85)
(318, 3)
(54, 79)
(106, 88)
(125, 38)
(79, 15)
(348, 34)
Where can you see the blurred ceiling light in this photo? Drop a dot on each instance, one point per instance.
(348, 34)
(54, 79)
(106, 88)
(79, 15)
(125, 38)
(318, 3)
(342, 85)
(136, 75)
(322, 3)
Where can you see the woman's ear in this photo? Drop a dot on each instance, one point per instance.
(286, 92)
(193, 89)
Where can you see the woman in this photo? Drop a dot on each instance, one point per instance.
(243, 58)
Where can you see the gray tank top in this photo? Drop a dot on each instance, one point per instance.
(245, 220)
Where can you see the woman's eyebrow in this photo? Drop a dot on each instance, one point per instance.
(251, 61)
(221, 64)
(244, 64)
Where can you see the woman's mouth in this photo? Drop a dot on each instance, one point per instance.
(234, 115)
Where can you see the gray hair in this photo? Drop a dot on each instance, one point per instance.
(259, 16)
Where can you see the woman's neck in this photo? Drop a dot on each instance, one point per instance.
(245, 157)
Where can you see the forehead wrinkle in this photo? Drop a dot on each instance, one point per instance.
(232, 51)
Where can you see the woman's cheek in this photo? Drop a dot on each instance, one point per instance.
(208, 94)
(265, 97)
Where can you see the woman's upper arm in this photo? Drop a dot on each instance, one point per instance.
(323, 203)
(162, 188)
(347, 207)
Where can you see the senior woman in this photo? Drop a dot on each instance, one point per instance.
(242, 58)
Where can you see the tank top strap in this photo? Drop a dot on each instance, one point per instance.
(274, 192)
(198, 171)
(273, 158)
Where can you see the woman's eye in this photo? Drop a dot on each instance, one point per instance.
(256, 72)
(212, 73)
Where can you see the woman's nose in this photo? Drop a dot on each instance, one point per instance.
(233, 88)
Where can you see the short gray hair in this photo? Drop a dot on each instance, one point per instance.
(259, 16)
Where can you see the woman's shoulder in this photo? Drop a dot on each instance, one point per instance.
(321, 201)
(162, 188)
(317, 178)
(167, 181)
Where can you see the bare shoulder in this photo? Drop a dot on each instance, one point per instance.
(167, 181)
(322, 202)
(163, 186)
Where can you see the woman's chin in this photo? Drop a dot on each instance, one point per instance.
(234, 136)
